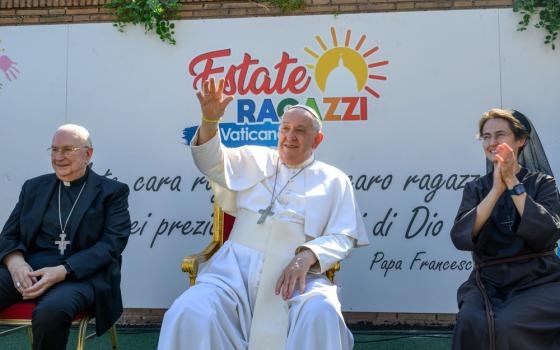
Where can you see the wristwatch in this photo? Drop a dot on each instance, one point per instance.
(68, 270)
(517, 190)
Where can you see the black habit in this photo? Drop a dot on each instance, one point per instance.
(524, 295)
(98, 230)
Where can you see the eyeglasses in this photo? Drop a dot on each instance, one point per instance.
(499, 137)
(65, 151)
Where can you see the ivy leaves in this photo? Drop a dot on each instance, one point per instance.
(155, 15)
(549, 17)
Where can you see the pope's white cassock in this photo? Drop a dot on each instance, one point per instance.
(233, 304)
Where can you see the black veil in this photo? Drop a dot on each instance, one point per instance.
(532, 156)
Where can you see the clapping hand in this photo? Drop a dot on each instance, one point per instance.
(498, 184)
(507, 161)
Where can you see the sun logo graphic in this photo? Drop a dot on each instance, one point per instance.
(361, 67)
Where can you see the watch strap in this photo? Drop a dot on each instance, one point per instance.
(68, 269)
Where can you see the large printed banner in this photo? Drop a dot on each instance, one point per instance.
(399, 93)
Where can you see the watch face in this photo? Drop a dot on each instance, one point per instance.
(518, 189)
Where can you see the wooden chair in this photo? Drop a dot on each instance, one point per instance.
(223, 224)
(19, 316)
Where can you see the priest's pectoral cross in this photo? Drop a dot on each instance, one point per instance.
(508, 223)
(61, 243)
(264, 214)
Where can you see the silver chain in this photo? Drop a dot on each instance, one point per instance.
(273, 199)
(71, 210)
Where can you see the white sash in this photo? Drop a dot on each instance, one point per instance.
(277, 240)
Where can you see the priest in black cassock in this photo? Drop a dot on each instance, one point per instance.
(62, 244)
(510, 220)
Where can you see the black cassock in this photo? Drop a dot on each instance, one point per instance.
(524, 295)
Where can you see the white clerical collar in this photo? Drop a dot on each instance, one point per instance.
(78, 181)
(301, 165)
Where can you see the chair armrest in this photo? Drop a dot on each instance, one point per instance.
(190, 263)
(330, 272)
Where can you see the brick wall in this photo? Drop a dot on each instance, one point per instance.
(15, 12)
(153, 317)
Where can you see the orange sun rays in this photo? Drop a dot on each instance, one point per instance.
(347, 39)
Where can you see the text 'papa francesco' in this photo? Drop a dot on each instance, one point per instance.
(419, 263)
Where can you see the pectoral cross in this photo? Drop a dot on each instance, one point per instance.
(62, 243)
(508, 223)
(264, 213)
